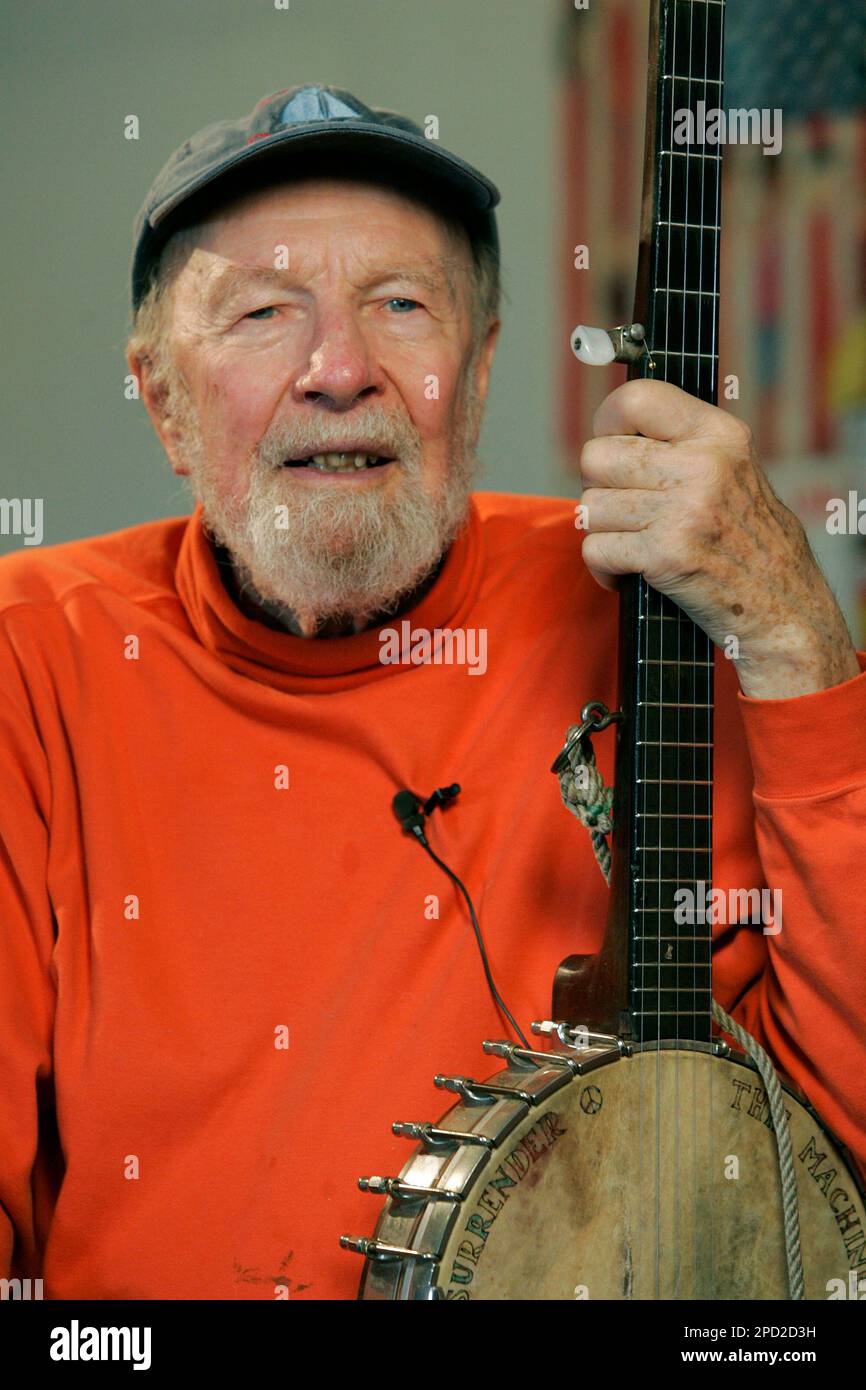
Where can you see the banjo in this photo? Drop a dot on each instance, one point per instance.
(639, 1155)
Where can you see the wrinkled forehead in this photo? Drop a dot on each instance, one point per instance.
(288, 236)
(310, 214)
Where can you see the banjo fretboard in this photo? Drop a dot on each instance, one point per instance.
(665, 759)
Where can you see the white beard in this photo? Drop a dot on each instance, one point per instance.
(310, 554)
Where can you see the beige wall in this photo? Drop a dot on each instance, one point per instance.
(73, 71)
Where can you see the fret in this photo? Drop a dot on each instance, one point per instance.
(660, 901)
(656, 898)
(670, 722)
(654, 743)
(656, 939)
(680, 92)
(700, 947)
(673, 704)
(691, 154)
(675, 352)
(647, 977)
(674, 781)
(648, 966)
(668, 1013)
(693, 251)
(659, 912)
(672, 849)
(651, 971)
(696, 226)
(662, 680)
(666, 289)
(680, 861)
(677, 988)
(642, 879)
(686, 320)
(693, 37)
(686, 646)
(677, 1000)
(689, 199)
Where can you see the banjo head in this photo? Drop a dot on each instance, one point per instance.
(648, 1176)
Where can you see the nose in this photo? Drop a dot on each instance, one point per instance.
(340, 370)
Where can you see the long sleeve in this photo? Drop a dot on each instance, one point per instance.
(26, 984)
(808, 1004)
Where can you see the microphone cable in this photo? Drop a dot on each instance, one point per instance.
(412, 812)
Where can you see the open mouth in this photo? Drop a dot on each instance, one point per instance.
(349, 462)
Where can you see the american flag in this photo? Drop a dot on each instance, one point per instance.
(793, 278)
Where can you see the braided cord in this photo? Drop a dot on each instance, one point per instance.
(586, 796)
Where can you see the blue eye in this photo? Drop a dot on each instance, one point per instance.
(254, 313)
(412, 303)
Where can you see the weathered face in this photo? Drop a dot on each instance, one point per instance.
(314, 319)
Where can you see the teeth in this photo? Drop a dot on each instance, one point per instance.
(340, 463)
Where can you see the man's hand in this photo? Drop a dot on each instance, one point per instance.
(673, 490)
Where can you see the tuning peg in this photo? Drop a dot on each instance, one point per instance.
(598, 347)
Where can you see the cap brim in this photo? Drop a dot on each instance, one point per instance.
(396, 147)
(394, 150)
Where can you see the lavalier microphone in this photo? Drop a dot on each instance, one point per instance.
(412, 812)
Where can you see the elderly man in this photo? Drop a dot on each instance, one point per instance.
(224, 970)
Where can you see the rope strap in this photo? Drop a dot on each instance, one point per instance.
(586, 796)
(782, 1131)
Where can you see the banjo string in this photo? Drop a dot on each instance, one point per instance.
(698, 646)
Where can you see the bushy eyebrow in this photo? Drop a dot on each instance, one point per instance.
(434, 274)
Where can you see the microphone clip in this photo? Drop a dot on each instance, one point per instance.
(412, 811)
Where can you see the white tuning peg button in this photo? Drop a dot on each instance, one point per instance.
(593, 346)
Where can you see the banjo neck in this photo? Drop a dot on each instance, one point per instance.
(651, 981)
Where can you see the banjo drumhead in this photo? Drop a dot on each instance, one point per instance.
(654, 1176)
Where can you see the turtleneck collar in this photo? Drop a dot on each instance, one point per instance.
(299, 664)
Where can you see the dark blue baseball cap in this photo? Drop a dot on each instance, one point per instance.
(301, 128)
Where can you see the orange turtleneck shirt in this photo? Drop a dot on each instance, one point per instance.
(220, 980)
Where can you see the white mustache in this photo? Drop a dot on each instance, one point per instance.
(322, 435)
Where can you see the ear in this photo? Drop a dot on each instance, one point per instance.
(485, 358)
(158, 406)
